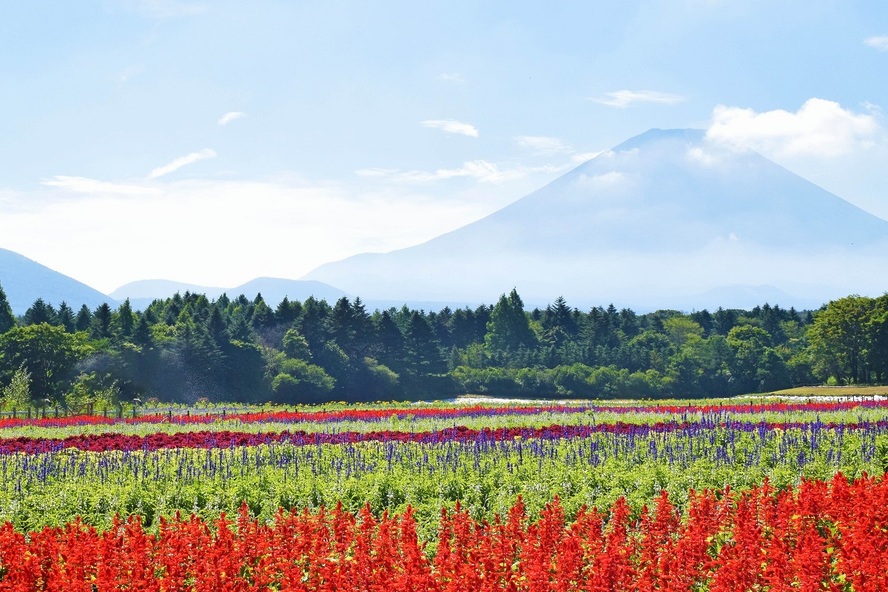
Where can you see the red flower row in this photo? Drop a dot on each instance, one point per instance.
(370, 415)
(229, 439)
(823, 536)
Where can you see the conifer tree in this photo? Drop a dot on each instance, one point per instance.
(7, 319)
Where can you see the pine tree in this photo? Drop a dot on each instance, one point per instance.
(101, 322)
(126, 320)
(509, 328)
(40, 312)
(7, 319)
(84, 319)
(66, 317)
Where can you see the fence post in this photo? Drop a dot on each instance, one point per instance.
(105, 411)
(13, 413)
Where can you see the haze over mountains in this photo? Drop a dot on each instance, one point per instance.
(667, 219)
(24, 281)
(273, 290)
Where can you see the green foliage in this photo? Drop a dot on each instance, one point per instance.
(839, 339)
(48, 353)
(17, 394)
(296, 346)
(187, 347)
(484, 477)
(301, 382)
(7, 319)
(92, 392)
(508, 329)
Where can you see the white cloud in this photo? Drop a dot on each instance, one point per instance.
(478, 170)
(625, 98)
(289, 228)
(880, 43)
(231, 116)
(544, 144)
(95, 187)
(451, 77)
(549, 146)
(162, 9)
(703, 157)
(451, 126)
(581, 157)
(178, 163)
(819, 128)
(602, 181)
(127, 73)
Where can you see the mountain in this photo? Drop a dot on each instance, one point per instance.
(141, 293)
(667, 218)
(24, 281)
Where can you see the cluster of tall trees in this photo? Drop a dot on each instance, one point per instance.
(188, 347)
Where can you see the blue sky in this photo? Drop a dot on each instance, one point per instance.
(213, 142)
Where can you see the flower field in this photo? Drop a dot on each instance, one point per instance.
(741, 496)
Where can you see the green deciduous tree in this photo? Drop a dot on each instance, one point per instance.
(48, 353)
(839, 339)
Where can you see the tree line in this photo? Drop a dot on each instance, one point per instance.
(187, 348)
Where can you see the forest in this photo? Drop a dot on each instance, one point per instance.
(187, 348)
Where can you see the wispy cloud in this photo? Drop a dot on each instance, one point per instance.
(95, 187)
(626, 98)
(479, 170)
(580, 157)
(231, 116)
(162, 9)
(880, 42)
(311, 223)
(819, 128)
(127, 73)
(549, 146)
(451, 126)
(178, 163)
(451, 77)
(544, 144)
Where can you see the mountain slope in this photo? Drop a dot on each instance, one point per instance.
(141, 293)
(24, 281)
(664, 219)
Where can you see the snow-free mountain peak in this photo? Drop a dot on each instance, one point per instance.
(665, 218)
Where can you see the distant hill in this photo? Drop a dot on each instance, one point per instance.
(141, 293)
(24, 281)
(664, 219)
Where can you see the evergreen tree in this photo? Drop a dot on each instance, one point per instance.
(65, 317)
(142, 333)
(216, 327)
(100, 327)
(83, 320)
(287, 312)
(390, 341)
(7, 319)
(509, 328)
(125, 320)
(424, 353)
(41, 312)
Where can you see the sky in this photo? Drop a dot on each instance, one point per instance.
(215, 142)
